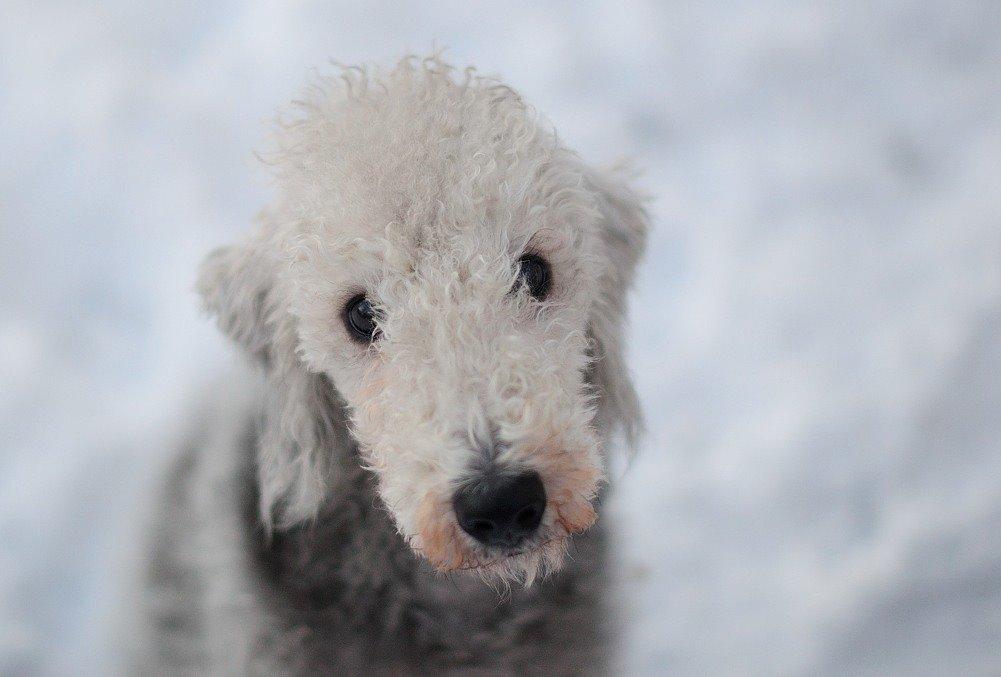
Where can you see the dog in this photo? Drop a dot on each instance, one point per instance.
(435, 304)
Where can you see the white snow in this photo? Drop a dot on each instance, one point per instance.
(816, 334)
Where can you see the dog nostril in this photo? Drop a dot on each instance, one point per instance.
(499, 509)
(527, 516)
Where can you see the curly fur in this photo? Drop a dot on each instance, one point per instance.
(420, 187)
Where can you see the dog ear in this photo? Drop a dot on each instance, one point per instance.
(303, 418)
(237, 284)
(623, 232)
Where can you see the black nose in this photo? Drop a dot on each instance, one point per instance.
(501, 509)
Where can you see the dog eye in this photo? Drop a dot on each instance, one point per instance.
(359, 317)
(534, 274)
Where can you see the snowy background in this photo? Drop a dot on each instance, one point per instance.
(817, 330)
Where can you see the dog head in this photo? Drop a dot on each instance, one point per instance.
(458, 277)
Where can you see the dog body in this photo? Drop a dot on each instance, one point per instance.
(436, 302)
(345, 593)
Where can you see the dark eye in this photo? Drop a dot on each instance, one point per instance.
(359, 317)
(534, 274)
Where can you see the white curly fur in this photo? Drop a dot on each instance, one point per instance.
(421, 188)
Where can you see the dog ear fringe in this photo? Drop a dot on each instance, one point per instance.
(303, 416)
(624, 227)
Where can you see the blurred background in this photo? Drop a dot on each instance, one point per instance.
(816, 334)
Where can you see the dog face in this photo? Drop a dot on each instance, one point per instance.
(458, 277)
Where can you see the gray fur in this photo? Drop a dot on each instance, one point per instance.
(344, 593)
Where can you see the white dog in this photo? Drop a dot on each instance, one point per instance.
(436, 301)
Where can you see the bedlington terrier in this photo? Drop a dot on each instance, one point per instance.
(436, 301)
